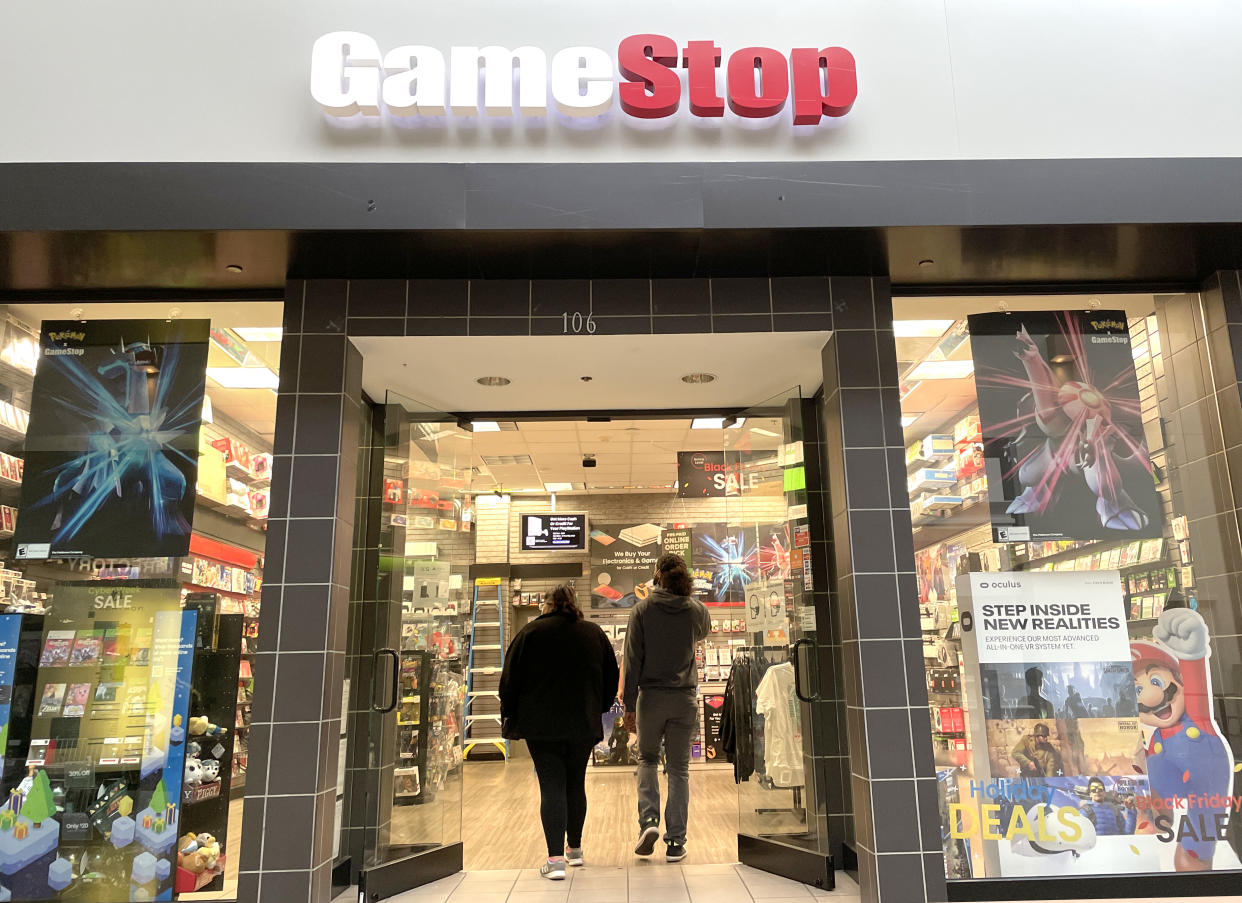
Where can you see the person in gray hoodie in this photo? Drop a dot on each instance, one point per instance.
(660, 678)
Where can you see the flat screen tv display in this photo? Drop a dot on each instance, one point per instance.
(554, 532)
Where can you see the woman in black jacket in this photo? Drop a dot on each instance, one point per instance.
(560, 676)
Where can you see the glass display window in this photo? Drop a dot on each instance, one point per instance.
(135, 461)
(1076, 558)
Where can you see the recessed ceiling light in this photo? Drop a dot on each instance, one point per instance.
(715, 423)
(698, 379)
(558, 487)
(907, 419)
(758, 431)
(927, 262)
(234, 267)
(920, 329)
(485, 426)
(493, 381)
(942, 370)
(244, 377)
(260, 333)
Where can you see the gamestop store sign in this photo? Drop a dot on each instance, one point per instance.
(353, 77)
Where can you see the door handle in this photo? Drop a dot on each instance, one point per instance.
(794, 658)
(396, 678)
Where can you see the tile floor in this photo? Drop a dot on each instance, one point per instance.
(654, 882)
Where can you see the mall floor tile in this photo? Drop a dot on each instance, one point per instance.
(642, 883)
(645, 883)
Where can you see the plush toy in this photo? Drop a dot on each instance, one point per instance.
(193, 771)
(190, 856)
(209, 849)
(211, 770)
(200, 726)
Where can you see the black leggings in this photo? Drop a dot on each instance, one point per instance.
(561, 767)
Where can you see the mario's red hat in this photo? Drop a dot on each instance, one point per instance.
(1144, 654)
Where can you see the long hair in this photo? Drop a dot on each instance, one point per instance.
(672, 575)
(564, 600)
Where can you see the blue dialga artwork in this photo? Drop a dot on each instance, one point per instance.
(112, 447)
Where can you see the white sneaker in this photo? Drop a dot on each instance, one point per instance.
(573, 856)
(554, 868)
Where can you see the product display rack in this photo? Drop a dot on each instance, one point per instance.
(429, 719)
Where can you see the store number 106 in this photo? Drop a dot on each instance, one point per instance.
(577, 324)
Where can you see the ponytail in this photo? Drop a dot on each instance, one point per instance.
(672, 575)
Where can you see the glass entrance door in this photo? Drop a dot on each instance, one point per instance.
(766, 564)
(413, 650)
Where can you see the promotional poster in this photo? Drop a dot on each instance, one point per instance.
(1063, 438)
(713, 474)
(623, 560)
(1092, 754)
(112, 447)
(94, 815)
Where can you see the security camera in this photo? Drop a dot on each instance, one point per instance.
(588, 460)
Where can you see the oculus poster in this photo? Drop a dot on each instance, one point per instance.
(1092, 753)
(112, 448)
(1063, 437)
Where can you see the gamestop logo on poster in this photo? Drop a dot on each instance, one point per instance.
(352, 77)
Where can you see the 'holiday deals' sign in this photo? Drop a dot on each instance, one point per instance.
(351, 77)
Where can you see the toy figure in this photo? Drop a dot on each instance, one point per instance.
(193, 772)
(1186, 756)
(200, 726)
(1080, 437)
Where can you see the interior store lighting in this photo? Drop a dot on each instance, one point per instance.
(259, 333)
(942, 370)
(760, 431)
(907, 419)
(714, 423)
(921, 329)
(485, 426)
(244, 377)
(558, 487)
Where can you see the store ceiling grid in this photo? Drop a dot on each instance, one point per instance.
(636, 455)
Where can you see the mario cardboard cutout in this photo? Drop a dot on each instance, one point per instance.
(1189, 765)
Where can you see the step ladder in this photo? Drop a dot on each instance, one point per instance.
(484, 665)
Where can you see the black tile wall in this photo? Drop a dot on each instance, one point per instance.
(884, 692)
(299, 672)
(442, 307)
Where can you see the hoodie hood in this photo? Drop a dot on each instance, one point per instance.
(667, 601)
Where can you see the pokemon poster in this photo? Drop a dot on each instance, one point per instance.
(112, 446)
(1063, 438)
(1093, 754)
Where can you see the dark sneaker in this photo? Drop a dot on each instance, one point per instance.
(676, 852)
(647, 839)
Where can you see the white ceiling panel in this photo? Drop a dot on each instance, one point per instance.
(628, 372)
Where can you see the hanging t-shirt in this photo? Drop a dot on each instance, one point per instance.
(782, 720)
